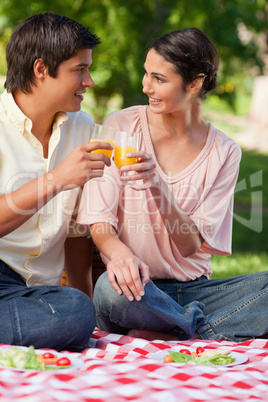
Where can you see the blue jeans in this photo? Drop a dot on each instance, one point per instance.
(233, 309)
(57, 317)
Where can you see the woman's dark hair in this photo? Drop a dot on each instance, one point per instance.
(51, 37)
(192, 55)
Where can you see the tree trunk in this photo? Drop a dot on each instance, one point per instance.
(256, 134)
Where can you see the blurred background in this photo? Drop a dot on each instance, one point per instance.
(239, 106)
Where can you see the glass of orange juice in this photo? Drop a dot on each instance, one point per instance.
(103, 134)
(125, 142)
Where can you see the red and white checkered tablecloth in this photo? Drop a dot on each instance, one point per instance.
(119, 368)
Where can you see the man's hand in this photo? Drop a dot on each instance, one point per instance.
(81, 165)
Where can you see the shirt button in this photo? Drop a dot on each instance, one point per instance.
(44, 218)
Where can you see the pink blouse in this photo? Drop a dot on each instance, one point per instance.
(204, 190)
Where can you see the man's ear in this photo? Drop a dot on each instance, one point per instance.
(40, 70)
(196, 85)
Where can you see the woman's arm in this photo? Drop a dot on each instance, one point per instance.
(188, 240)
(127, 273)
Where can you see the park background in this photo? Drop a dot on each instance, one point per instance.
(239, 106)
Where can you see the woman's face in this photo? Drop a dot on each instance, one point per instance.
(163, 86)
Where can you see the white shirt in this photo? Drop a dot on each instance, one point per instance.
(35, 250)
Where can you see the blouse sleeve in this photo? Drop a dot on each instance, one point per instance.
(214, 213)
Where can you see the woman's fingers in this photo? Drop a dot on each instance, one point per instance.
(127, 276)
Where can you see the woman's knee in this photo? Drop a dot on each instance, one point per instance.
(102, 288)
(105, 296)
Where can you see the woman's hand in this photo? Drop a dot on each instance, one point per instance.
(144, 170)
(128, 275)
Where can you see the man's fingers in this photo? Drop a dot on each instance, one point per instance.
(94, 145)
(99, 157)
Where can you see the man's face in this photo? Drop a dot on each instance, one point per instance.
(64, 93)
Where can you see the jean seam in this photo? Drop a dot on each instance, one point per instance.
(15, 322)
(218, 288)
(209, 333)
(166, 297)
(238, 309)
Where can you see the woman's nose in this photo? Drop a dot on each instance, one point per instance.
(145, 85)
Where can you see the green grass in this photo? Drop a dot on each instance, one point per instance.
(250, 225)
(250, 237)
(238, 264)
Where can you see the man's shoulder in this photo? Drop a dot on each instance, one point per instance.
(80, 117)
(78, 127)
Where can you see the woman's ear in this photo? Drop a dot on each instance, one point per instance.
(196, 85)
(40, 70)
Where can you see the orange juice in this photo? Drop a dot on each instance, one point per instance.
(120, 158)
(107, 152)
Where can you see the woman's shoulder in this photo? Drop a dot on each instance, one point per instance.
(126, 115)
(224, 143)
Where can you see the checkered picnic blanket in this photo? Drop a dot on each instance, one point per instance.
(120, 368)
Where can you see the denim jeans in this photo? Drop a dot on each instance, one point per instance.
(57, 317)
(232, 309)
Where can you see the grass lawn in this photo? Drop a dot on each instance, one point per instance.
(250, 224)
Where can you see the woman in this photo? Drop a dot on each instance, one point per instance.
(157, 243)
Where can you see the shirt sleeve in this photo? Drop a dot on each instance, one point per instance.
(214, 213)
(99, 201)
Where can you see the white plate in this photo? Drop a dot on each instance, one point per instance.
(76, 363)
(240, 358)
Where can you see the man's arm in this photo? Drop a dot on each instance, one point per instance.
(79, 166)
(78, 263)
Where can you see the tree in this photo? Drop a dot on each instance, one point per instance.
(256, 135)
(127, 28)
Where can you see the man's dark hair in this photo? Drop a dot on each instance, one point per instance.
(51, 37)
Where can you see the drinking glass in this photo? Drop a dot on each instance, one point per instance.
(125, 142)
(103, 134)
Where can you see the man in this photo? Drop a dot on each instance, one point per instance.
(45, 158)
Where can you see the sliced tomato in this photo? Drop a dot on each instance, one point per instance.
(63, 361)
(48, 355)
(199, 350)
(185, 351)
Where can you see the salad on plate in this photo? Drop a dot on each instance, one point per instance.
(30, 360)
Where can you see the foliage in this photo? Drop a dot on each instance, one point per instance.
(127, 28)
(238, 264)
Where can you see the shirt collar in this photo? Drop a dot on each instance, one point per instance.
(18, 118)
